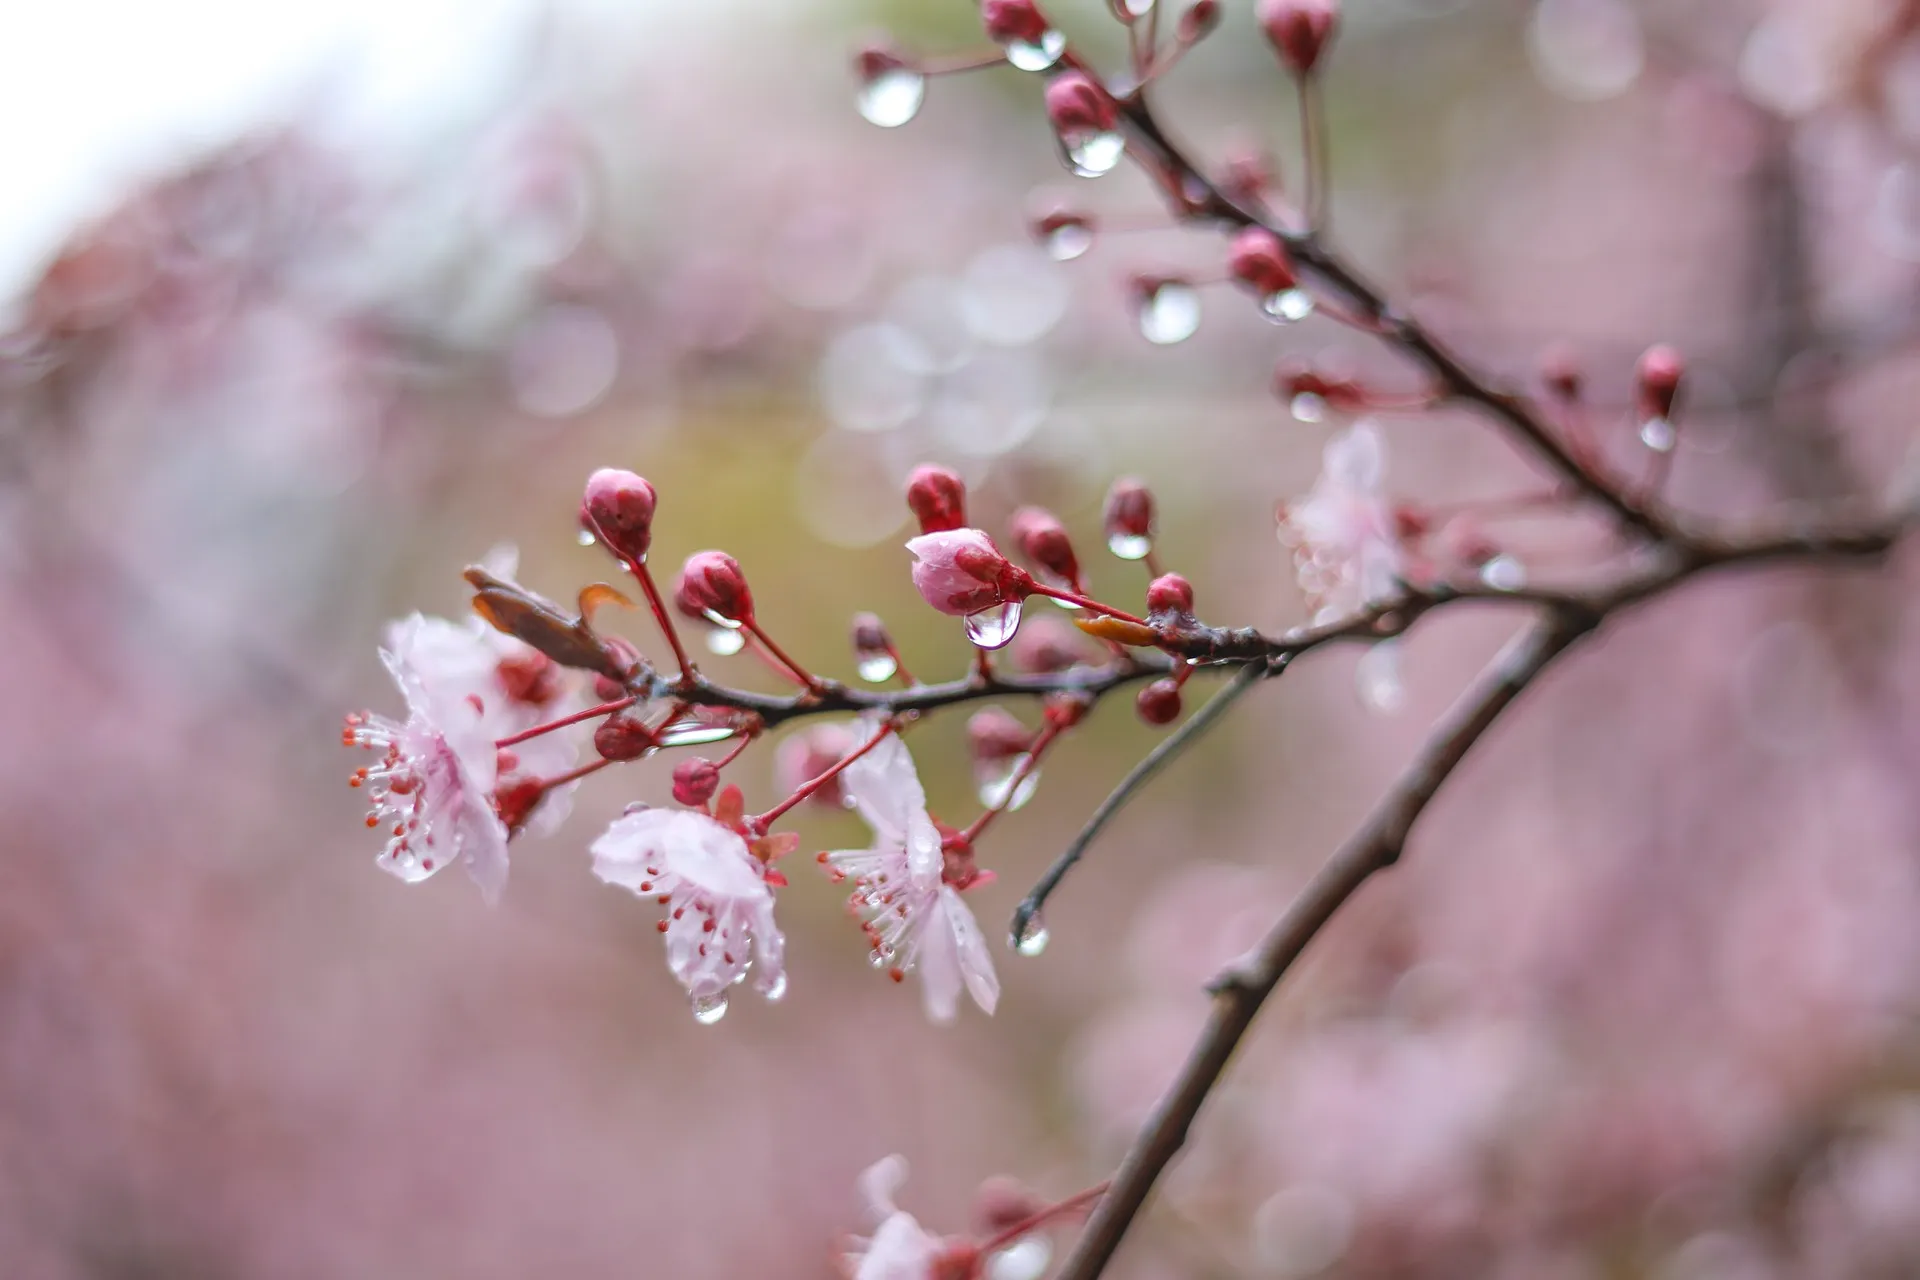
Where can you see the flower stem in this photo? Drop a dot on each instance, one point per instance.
(604, 709)
(1094, 606)
(577, 774)
(800, 673)
(814, 784)
(1072, 1204)
(638, 568)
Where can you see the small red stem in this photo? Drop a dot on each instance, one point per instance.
(959, 63)
(900, 671)
(1042, 589)
(1026, 1226)
(800, 673)
(746, 740)
(812, 785)
(638, 568)
(585, 769)
(604, 709)
(1028, 763)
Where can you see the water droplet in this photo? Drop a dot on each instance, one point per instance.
(692, 733)
(1037, 55)
(777, 990)
(1068, 241)
(893, 97)
(1139, 8)
(993, 627)
(1169, 312)
(1024, 1259)
(997, 778)
(1658, 435)
(1068, 605)
(1129, 546)
(720, 619)
(1504, 573)
(708, 1010)
(1309, 407)
(1093, 152)
(877, 667)
(1033, 937)
(725, 641)
(1377, 678)
(585, 538)
(1288, 305)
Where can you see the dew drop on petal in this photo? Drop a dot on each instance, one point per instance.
(893, 97)
(1504, 573)
(708, 1010)
(1308, 407)
(1169, 313)
(777, 990)
(877, 667)
(1129, 546)
(1377, 678)
(992, 628)
(1658, 435)
(1288, 305)
(1037, 55)
(724, 642)
(1068, 241)
(1032, 938)
(1093, 152)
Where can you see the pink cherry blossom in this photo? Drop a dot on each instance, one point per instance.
(719, 924)
(961, 571)
(900, 1248)
(1346, 543)
(914, 918)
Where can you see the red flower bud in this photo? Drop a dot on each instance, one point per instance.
(993, 734)
(1259, 261)
(1657, 381)
(1299, 30)
(875, 59)
(1159, 702)
(1078, 106)
(617, 508)
(621, 737)
(1198, 22)
(1010, 20)
(711, 583)
(870, 635)
(530, 676)
(938, 498)
(1129, 510)
(695, 781)
(1042, 539)
(1169, 593)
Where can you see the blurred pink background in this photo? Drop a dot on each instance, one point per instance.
(278, 357)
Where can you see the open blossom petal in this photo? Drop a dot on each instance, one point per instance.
(913, 919)
(1346, 542)
(958, 570)
(719, 923)
(900, 1248)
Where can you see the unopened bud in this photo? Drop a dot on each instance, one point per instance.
(1260, 262)
(1043, 540)
(621, 737)
(1009, 20)
(806, 755)
(1657, 381)
(1159, 702)
(1077, 106)
(994, 734)
(712, 585)
(1198, 22)
(1129, 510)
(938, 498)
(1299, 30)
(695, 781)
(1169, 593)
(623, 654)
(617, 508)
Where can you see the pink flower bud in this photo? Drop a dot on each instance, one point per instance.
(711, 584)
(1129, 510)
(1198, 22)
(1159, 702)
(695, 781)
(1657, 381)
(1169, 593)
(1043, 540)
(617, 508)
(1259, 261)
(621, 737)
(870, 635)
(938, 498)
(1299, 30)
(993, 734)
(1048, 645)
(960, 571)
(1077, 106)
(1010, 20)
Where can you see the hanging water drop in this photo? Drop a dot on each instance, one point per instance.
(1032, 938)
(1658, 435)
(692, 733)
(877, 667)
(777, 990)
(585, 538)
(1308, 407)
(708, 1010)
(1377, 678)
(1169, 312)
(1068, 240)
(1503, 573)
(1129, 546)
(1139, 8)
(893, 97)
(724, 642)
(995, 780)
(1037, 55)
(993, 627)
(1288, 305)
(1093, 152)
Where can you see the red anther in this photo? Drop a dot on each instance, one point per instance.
(1009, 20)
(1159, 702)
(622, 737)
(1076, 105)
(515, 799)
(1299, 30)
(618, 509)
(994, 734)
(711, 583)
(1169, 593)
(1259, 261)
(531, 676)
(1043, 540)
(1198, 22)
(1657, 381)
(695, 781)
(938, 498)
(1129, 509)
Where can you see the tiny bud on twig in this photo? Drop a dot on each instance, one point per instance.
(938, 498)
(617, 508)
(1299, 30)
(1159, 702)
(1076, 105)
(1198, 22)
(1260, 262)
(1010, 20)
(1657, 382)
(711, 584)
(1169, 593)
(623, 737)
(1043, 540)
(695, 781)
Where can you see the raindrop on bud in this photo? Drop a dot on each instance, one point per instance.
(1065, 235)
(1658, 435)
(1128, 517)
(618, 507)
(1377, 678)
(994, 783)
(725, 640)
(993, 627)
(1503, 572)
(1656, 385)
(708, 1010)
(1032, 938)
(1018, 27)
(877, 668)
(777, 989)
(585, 538)
(1086, 122)
(1168, 309)
(712, 585)
(694, 733)
(890, 91)
(1287, 306)
(1308, 406)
